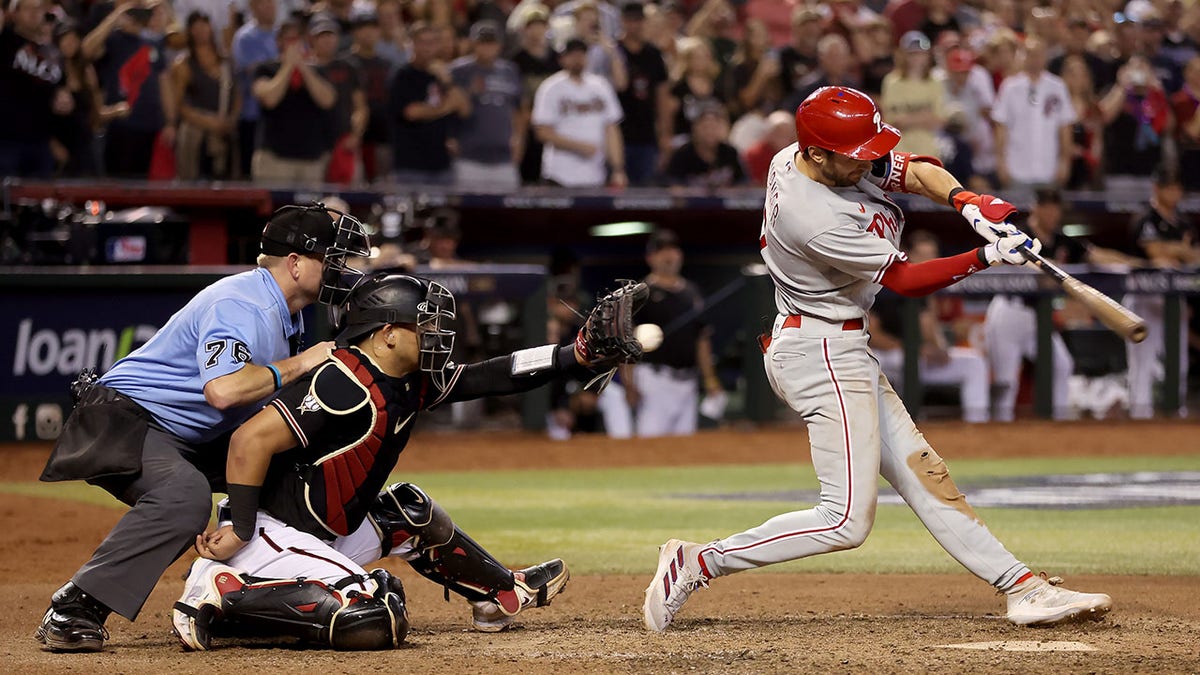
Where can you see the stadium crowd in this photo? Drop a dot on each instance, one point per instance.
(493, 93)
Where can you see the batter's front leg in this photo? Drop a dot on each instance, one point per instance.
(831, 382)
(920, 476)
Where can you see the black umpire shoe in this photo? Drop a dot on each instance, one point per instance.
(74, 622)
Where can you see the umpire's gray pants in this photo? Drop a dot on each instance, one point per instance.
(171, 502)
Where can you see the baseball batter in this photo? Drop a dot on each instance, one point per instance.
(829, 239)
(306, 510)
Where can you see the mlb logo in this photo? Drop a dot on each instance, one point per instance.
(128, 248)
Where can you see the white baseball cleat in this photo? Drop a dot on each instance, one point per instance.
(533, 587)
(679, 574)
(201, 602)
(1039, 602)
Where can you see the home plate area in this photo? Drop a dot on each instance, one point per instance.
(1065, 491)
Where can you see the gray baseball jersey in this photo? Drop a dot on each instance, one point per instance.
(825, 247)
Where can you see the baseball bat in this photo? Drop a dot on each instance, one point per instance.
(1110, 313)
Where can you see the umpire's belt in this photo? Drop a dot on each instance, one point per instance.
(809, 326)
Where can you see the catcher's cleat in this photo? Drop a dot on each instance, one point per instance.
(1039, 602)
(200, 603)
(74, 622)
(680, 572)
(542, 583)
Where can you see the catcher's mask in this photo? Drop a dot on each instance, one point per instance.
(319, 232)
(400, 299)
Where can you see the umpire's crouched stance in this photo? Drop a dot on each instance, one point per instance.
(154, 430)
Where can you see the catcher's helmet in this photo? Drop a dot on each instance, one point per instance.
(845, 121)
(400, 299)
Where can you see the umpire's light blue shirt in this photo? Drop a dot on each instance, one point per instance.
(239, 319)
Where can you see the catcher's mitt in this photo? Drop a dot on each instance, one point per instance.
(607, 337)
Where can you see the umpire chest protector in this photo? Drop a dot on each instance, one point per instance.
(351, 421)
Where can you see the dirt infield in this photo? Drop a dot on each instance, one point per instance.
(751, 623)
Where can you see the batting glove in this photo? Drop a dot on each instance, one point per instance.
(1007, 249)
(987, 214)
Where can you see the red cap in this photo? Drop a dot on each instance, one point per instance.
(844, 121)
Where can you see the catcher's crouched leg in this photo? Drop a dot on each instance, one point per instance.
(231, 604)
(414, 527)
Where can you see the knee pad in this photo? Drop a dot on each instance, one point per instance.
(379, 621)
(404, 513)
(312, 611)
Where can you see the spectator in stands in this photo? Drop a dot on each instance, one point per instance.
(349, 115)
(31, 77)
(489, 136)
(374, 70)
(707, 160)
(535, 62)
(905, 15)
(219, 15)
(423, 102)
(1033, 116)
(1137, 121)
(75, 133)
(939, 19)
(1000, 56)
(393, 38)
(664, 28)
(1167, 70)
(715, 21)
(1075, 43)
(873, 48)
(799, 57)
(608, 17)
(209, 105)
(341, 12)
(131, 69)
(1168, 239)
(693, 85)
(969, 89)
(644, 131)
(1087, 133)
(942, 363)
(253, 45)
(663, 389)
(294, 141)
(1187, 130)
(835, 66)
(780, 133)
(603, 58)
(911, 99)
(576, 116)
(1176, 43)
(751, 83)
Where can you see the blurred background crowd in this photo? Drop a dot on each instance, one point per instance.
(1082, 94)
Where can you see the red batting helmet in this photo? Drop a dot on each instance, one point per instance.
(844, 121)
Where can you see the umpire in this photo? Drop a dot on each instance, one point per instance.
(154, 430)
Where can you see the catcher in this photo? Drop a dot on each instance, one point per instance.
(307, 505)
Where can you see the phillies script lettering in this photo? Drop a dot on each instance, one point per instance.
(883, 226)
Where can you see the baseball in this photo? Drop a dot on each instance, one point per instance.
(650, 335)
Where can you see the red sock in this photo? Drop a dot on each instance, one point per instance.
(1026, 577)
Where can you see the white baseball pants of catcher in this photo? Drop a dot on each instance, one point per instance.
(964, 368)
(858, 430)
(279, 551)
(1010, 331)
(1144, 358)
